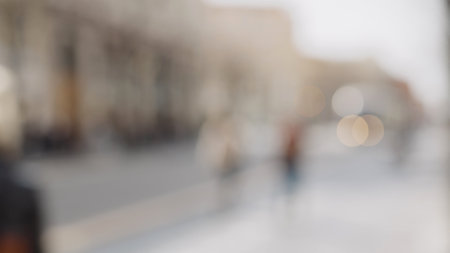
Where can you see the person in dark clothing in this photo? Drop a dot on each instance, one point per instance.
(290, 156)
(20, 221)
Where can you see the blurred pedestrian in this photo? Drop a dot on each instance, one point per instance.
(20, 221)
(291, 157)
(218, 147)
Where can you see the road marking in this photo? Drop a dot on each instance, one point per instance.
(146, 215)
(113, 225)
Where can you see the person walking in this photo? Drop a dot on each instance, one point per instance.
(291, 157)
(219, 149)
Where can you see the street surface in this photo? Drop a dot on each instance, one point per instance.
(159, 199)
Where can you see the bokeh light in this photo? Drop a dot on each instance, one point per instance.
(345, 131)
(360, 130)
(376, 130)
(347, 100)
(353, 130)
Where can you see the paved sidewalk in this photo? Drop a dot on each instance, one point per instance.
(379, 213)
(351, 201)
(120, 202)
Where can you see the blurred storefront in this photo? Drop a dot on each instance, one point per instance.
(131, 69)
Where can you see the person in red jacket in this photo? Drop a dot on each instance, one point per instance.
(291, 155)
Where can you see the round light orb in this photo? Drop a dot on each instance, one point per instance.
(344, 131)
(360, 130)
(376, 130)
(347, 100)
(352, 131)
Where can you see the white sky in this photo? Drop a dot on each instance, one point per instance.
(406, 36)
